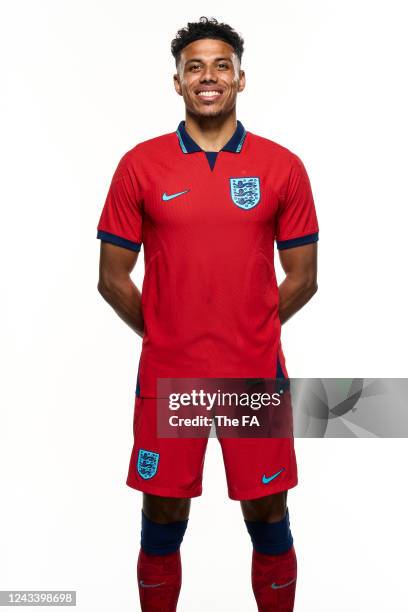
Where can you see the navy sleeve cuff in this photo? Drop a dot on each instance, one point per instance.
(122, 242)
(294, 242)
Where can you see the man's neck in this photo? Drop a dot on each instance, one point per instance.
(211, 133)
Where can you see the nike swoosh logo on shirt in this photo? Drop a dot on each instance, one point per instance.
(166, 197)
(150, 586)
(268, 479)
(280, 586)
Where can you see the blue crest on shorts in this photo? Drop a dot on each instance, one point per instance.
(245, 191)
(147, 462)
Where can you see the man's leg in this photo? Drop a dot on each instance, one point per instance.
(274, 564)
(164, 521)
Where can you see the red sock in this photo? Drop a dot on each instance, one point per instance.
(274, 581)
(159, 580)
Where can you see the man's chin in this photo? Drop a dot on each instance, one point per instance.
(209, 112)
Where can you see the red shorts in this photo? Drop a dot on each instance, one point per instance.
(173, 467)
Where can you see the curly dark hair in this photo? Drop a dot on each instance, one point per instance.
(206, 28)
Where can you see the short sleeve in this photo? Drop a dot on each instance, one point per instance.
(121, 220)
(297, 221)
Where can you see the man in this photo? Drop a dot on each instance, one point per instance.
(207, 201)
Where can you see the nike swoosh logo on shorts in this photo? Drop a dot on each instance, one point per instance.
(280, 586)
(166, 197)
(266, 480)
(150, 586)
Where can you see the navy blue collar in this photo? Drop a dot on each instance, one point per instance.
(188, 145)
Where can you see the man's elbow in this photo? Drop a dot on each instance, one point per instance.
(311, 287)
(105, 287)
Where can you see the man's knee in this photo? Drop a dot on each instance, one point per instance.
(269, 509)
(166, 509)
(164, 522)
(268, 524)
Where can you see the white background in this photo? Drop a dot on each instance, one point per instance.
(83, 82)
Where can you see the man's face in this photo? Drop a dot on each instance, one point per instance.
(209, 77)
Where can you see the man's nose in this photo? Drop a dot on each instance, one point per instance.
(209, 74)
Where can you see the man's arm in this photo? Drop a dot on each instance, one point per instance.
(300, 284)
(117, 288)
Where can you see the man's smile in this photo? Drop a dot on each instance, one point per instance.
(209, 94)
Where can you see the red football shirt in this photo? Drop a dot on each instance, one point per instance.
(208, 222)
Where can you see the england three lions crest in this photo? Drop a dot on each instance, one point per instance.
(245, 191)
(147, 462)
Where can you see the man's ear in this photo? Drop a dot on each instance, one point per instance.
(177, 85)
(242, 80)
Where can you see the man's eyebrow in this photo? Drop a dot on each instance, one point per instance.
(217, 59)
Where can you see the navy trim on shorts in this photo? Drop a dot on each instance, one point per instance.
(279, 370)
